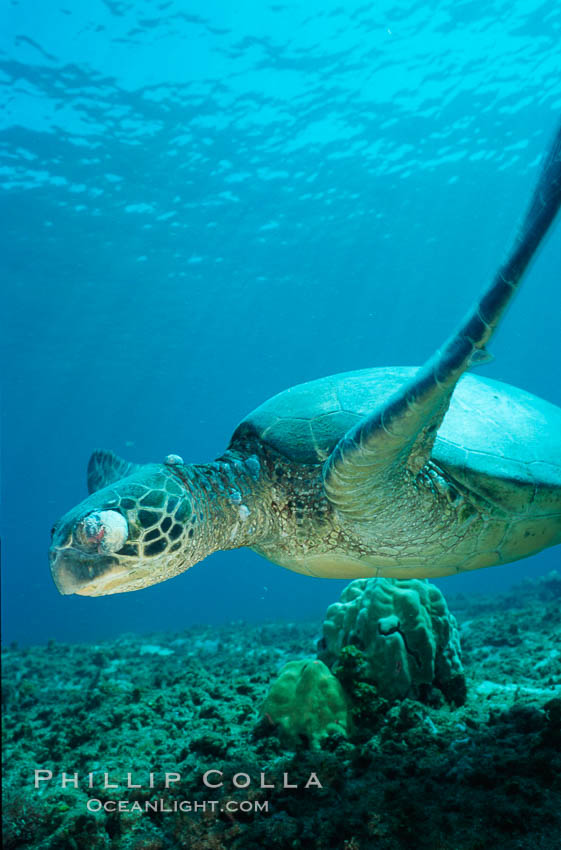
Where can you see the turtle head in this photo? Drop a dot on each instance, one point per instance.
(134, 529)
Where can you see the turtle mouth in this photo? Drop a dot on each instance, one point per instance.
(86, 575)
(94, 574)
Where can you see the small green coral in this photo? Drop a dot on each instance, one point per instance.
(307, 703)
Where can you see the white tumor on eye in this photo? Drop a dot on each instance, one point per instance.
(107, 530)
(116, 531)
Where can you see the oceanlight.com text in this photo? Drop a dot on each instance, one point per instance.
(170, 806)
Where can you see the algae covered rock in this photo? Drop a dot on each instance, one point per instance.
(307, 703)
(405, 631)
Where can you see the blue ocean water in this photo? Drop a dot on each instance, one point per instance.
(203, 204)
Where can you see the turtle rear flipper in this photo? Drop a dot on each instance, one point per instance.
(105, 468)
(400, 434)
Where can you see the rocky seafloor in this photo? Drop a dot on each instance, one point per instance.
(422, 775)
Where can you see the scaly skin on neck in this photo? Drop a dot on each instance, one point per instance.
(228, 502)
(291, 514)
(269, 505)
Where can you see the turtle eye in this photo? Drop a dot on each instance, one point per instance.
(89, 531)
(107, 531)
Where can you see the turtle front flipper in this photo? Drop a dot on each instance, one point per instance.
(400, 434)
(105, 468)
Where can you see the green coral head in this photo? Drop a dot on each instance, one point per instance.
(131, 533)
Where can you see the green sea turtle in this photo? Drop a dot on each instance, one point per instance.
(399, 472)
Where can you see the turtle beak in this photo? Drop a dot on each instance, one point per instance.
(74, 572)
